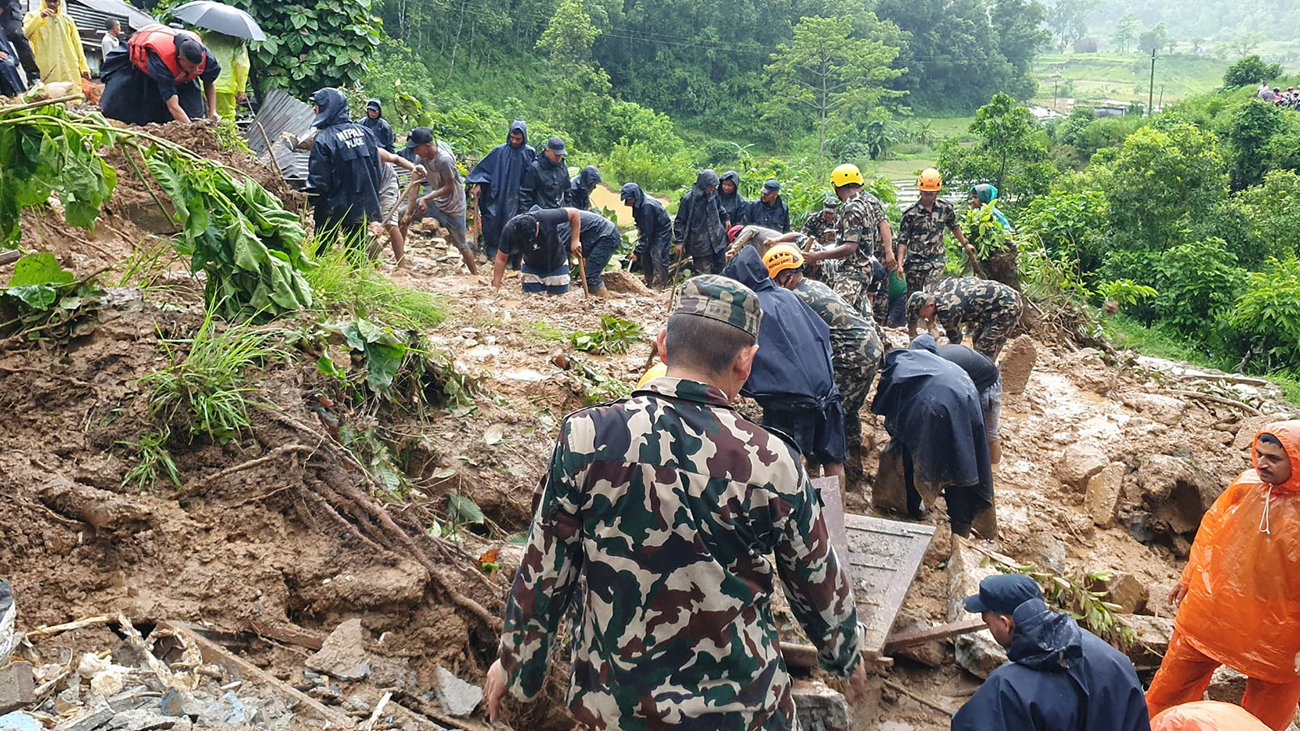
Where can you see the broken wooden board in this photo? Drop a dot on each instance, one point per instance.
(942, 632)
(884, 556)
(833, 512)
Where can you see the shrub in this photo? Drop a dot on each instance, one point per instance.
(1197, 282)
(1267, 316)
(1069, 223)
(1251, 70)
(639, 163)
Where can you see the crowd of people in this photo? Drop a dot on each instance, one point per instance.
(1289, 99)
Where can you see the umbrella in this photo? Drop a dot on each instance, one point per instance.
(221, 18)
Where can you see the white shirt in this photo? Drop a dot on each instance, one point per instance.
(108, 43)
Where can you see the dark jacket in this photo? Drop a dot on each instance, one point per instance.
(932, 408)
(1060, 678)
(11, 82)
(579, 195)
(383, 131)
(545, 184)
(699, 218)
(735, 203)
(793, 365)
(501, 171)
(654, 228)
(344, 164)
(775, 216)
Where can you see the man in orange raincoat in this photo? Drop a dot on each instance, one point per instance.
(1239, 597)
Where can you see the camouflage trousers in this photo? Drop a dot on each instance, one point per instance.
(854, 378)
(990, 335)
(854, 281)
(923, 273)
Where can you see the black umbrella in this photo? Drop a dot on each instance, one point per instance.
(221, 18)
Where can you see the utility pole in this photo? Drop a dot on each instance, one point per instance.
(1151, 88)
(1162, 96)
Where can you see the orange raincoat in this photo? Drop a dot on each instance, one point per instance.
(1206, 716)
(1243, 578)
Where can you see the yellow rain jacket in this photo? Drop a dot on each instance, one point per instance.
(57, 47)
(232, 54)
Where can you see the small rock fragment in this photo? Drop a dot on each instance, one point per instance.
(140, 719)
(1226, 685)
(344, 654)
(819, 707)
(17, 685)
(19, 721)
(1101, 498)
(1152, 634)
(1127, 591)
(1079, 462)
(457, 697)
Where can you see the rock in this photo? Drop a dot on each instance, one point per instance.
(1079, 462)
(91, 665)
(1017, 364)
(1101, 498)
(229, 710)
(1152, 636)
(819, 707)
(176, 702)
(183, 724)
(110, 681)
(17, 685)
(889, 494)
(141, 719)
(978, 653)
(457, 697)
(1127, 591)
(1176, 491)
(88, 721)
(68, 701)
(344, 653)
(1226, 685)
(1181, 546)
(624, 282)
(19, 721)
(931, 654)
(1050, 553)
(1163, 409)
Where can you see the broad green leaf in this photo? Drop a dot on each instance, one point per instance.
(39, 268)
(465, 510)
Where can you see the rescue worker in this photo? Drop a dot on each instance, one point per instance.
(498, 176)
(151, 78)
(343, 173)
(445, 201)
(375, 122)
(232, 54)
(934, 419)
(699, 231)
(920, 234)
(1061, 677)
(654, 234)
(56, 44)
(546, 181)
(11, 80)
(544, 240)
(112, 38)
(987, 378)
(654, 524)
(390, 193)
(770, 210)
(1000, 266)
(819, 227)
(11, 29)
(991, 309)
(581, 187)
(732, 201)
(1238, 600)
(1206, 716)
(862, 239)
(855, 347)
(793, 377)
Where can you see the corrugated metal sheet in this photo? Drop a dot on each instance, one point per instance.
(134, 18)
(280, 114)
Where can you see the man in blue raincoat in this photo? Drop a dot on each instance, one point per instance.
(498, 176)
(343, 173)
(654, 234)
(1060, 678)
(792, 377)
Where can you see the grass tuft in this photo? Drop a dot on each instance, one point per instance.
(341, 287)
(154, 460)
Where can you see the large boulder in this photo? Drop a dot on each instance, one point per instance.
(1127, 591)
(1152, 635)
(1079, 462)
(1017, 364)
(1101, 498)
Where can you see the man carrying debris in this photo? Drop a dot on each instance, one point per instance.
(933, 415)
(544, 240)
(56, 42)
(546, 181)
(390, 194)
(819, 228)
(700, 229)
(654, 234)
(151, 79)
(668, 504)
(770, 210)
(343, 173)
(1060, 678)
(375, 122)
(498, 176)
(793, 377)
(862, 238)
(920, 234)
(580, 189)
(732, 201)
(446, 200)
(1239, 597)
(991, 309)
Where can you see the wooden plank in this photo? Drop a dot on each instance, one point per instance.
(302, 703)
(288, 633)
(943, 632)
(833, 513)
(884, 556)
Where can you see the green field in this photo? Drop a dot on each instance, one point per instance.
(1097, 76)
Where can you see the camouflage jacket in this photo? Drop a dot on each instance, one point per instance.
(816, 227)
(854, 342)
(971, 300)
(669, 503)
(921, 230)
(859, 223)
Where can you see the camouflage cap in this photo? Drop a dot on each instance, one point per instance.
(722, 299)
(915, 302)
(830, 204)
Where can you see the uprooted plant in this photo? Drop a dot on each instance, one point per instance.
(43, 300)
(1074, 595)
(613, 337)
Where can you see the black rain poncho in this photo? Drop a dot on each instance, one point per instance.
(379, 126)
(579, 195)
(699, 218)
(545, 184)
(735, 203)
(343, 169)
(500, 172)
(654, 233)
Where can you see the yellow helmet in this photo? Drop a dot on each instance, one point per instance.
(930, 181)
(658, 370)
(846, 174)
(782, 257)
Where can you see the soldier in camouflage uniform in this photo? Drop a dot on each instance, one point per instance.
(920, 234)
(819, 228)
(991, 308)
(668, 503)
(862, 236)
(855, 347)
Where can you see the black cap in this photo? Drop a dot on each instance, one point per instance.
(1002, 593)
(419, 136)
(373, 104)
(556, 145)
(772, 186)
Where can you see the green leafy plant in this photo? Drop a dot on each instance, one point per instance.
(613, 337)
(153, 460)
(1125, 292)
(341, 288)
(43, 300)
(984, 232)
(1198, 281)
(1074, 595)
(596, 387)
(1267, 315)
(206, 389)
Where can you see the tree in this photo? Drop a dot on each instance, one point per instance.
(311, 44)
(1251, 127)
(1018, 26)
(1125, 31)
(1012, 153)
(828, 74)
(1154, 38)
(580, 100)
(1251, 70)
(1245, 44)
(1068, 19)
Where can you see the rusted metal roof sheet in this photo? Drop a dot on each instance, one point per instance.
(281, 113)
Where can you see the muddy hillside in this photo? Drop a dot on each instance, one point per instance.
(311, 520)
